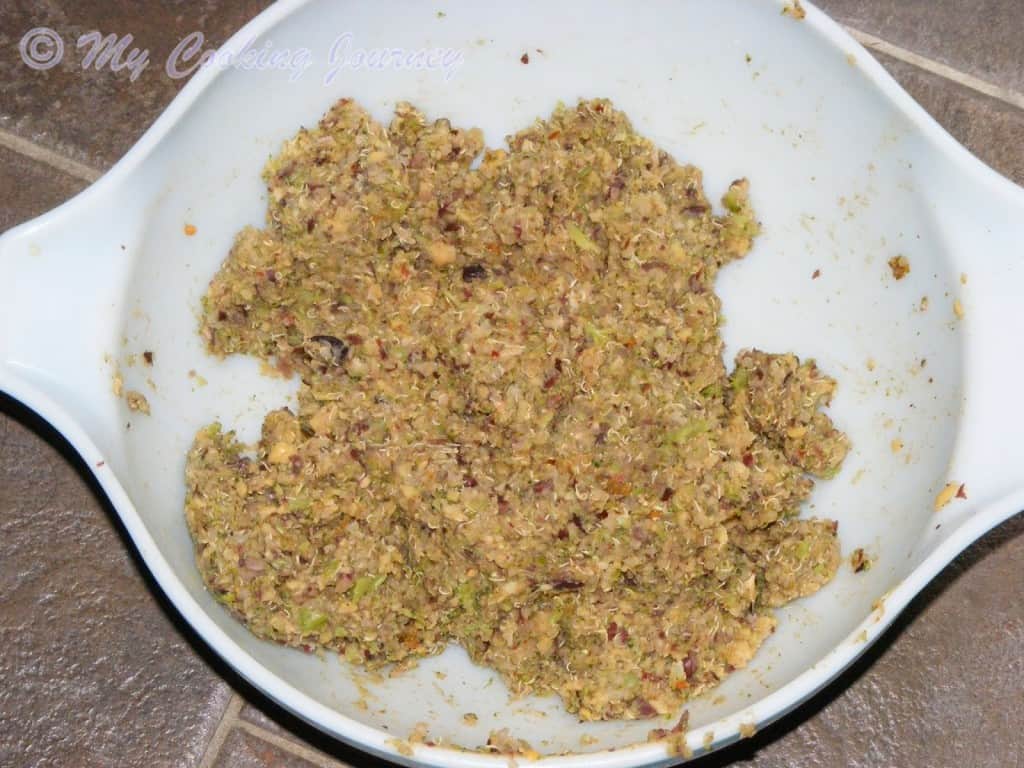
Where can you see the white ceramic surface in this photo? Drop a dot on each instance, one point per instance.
(846, 171)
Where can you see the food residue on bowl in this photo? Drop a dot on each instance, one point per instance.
(859, 561)
(674, 737)
(899, 266)
(948, 493)
(503, 742)
(136, 401)
(515, 429)
(794, 10)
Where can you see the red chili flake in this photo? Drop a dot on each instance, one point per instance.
(554, 135)
(354, 339)
(470, 482)
(148, 357)
(495, 353)
(748, 459)
(562, 534)
(667, 494)
(355, 168)
(310, 224)
(961, 492)
(613, 629)
(222, 315)
(381, 351)
(578, 522)
(525, 58)
(599, 108)
(549, 382)
(816, 274)
(542, 486)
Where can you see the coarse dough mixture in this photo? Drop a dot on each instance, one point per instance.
(515, 429)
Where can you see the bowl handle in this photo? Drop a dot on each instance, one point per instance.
(61, 303)
(984, 222)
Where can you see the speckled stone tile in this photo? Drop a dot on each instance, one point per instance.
(94, 671)
(264, 713)
(95, 116)
(28, 188)
(243, 750)
(983, 38)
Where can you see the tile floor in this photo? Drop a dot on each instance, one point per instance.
(123, 682)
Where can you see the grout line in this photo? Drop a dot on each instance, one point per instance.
(220, 734)
(292, 747)
(873, 43)
(53, 159)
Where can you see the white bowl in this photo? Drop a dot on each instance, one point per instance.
(846, 171)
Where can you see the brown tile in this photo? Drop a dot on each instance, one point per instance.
(992, 129)
(94, 671)
(96, 116)
(260, 711)
(28, 188)
(982, 38)
(942, 688)
(243, 750)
